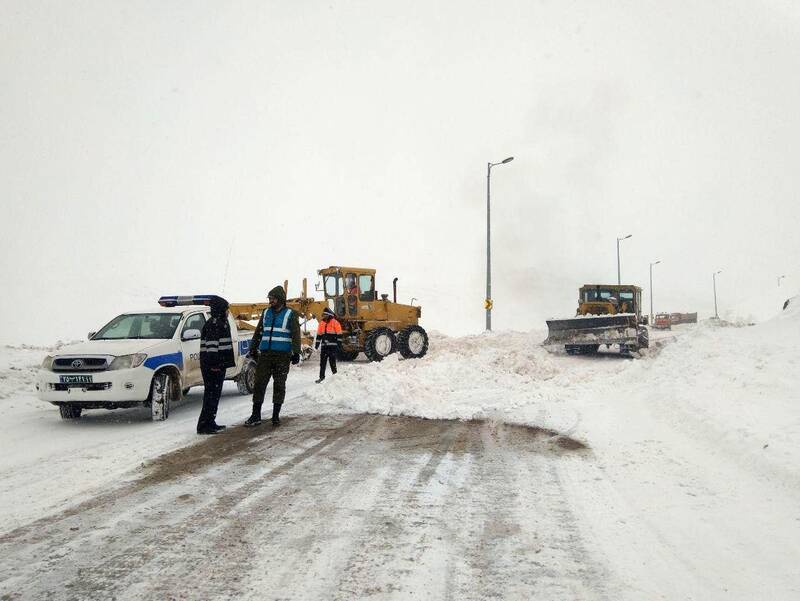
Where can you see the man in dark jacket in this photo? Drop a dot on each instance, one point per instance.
(329, 335)
(275, 343)
(216, 355)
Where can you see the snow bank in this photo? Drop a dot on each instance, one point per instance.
(18, 365)
(506, 376)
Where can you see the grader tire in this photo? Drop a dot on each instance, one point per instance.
(412, 342)
(380, 343)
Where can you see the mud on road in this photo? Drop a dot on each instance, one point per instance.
(326, 507)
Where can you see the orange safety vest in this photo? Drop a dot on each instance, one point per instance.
(328, 333)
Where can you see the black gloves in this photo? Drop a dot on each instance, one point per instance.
(295, 358)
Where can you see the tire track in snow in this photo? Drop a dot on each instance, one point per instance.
(249, 515)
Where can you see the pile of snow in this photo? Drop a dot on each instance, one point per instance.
(507, 376)
(18, 365)
(741, 379)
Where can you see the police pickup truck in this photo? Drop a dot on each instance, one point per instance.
(149, 358)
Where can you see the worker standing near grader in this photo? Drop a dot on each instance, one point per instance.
(275, 344)
(329, 335)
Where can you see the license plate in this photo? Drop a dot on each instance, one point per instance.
(75, 379)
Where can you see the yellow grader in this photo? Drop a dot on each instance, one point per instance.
(607, 314)
(371, 324)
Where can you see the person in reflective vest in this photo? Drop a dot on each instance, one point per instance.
(329, 335)
(216, 355)
(275, 343)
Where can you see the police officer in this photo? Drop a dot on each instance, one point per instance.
(329, 335)
(216, 355)
(275, 343)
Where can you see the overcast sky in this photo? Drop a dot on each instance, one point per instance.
(146, 145)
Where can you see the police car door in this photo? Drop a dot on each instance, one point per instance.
(191, 350)
(239, 348)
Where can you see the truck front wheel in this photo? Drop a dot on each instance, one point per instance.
(246, 380)
(161, 393)
(69, 411)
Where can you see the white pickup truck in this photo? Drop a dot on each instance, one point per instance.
(148, 358)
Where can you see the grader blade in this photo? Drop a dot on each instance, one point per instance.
(593, 330)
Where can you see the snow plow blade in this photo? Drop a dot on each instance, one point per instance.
(594, 330)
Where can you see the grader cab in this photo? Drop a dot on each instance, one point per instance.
(371, 323)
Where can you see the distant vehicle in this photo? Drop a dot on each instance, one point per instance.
(607, 314)
(676, 318)
(148, 358)
(662, 321)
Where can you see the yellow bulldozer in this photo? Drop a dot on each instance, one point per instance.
(371, 323)
(607, 314)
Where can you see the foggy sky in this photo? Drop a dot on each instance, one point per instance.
(147, 145)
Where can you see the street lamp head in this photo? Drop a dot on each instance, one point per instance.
(508, 160)
(720, 271)
(657, 262)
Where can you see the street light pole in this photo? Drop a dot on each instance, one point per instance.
(780, 277)
(488, 302)
(619, 276)
(714, 277)
(651, 289)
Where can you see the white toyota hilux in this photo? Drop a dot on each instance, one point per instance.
(149, 358)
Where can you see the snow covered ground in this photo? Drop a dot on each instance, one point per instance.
(688, 487)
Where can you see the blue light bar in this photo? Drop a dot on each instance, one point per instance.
(179, 301)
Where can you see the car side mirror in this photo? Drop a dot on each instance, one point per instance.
(190, 335)
(90, 335)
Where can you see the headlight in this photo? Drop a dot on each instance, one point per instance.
(48, 362)
(128, 361)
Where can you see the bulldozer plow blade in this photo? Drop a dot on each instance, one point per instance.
(594, 330)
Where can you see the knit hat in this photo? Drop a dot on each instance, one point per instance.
(219, 306)
(278, 293)
(326, 312)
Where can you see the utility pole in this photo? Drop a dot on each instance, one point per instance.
(651, 289)
(488, 302)
(619, 275)
(714, 277)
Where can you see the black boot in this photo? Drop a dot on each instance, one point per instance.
(255, 418)
(276, 411)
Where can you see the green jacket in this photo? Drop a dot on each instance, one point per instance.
(294, 329)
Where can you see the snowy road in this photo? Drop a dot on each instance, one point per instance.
(335, 507)
(668, 477)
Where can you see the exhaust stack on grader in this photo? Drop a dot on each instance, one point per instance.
(375, 326)
(607, 314)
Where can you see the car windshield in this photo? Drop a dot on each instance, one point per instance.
(155, 326)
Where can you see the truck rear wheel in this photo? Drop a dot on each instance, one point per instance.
(412, 342)
(246, 380)
(161, 394)
(380, 343)
(69, 411)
